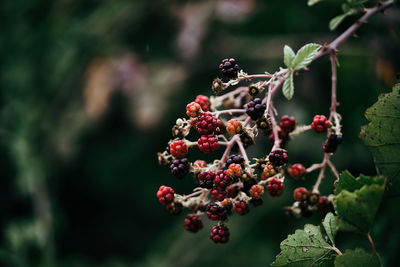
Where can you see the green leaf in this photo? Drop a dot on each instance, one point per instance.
(358, 257)
(382, 136)
(338, 19)
(330, 225)
(345, 7)
(288, 86)
(304, 56)
(357, 209)
(348, 182)
(313, 2)
(288, 56)
(304, 248)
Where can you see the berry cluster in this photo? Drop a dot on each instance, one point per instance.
(233, 183)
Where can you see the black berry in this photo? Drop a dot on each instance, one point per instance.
(229, 68)
(180, 167)
(255, 109)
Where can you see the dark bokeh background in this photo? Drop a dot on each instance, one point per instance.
(90, 89)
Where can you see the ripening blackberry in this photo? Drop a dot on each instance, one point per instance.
(255, 109)
(206, 179)
(180, 167)
(192, 223)
(219, 234)
(229, 68)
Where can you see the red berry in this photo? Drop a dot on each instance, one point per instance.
(288, 124)
(216, 212)
(297, 171)
(241, 207)
(300, 194)
(320, 124)
(208, 143)
(229, 68)
(256, 191)
(193, 109)
(222, 179)
(218, 194)
(275, 187)
(178, 148)
(206, 179)
(220, 234)
(192, 223)
(204, 102)
(165, 194)
(208, 124)
(278, 157)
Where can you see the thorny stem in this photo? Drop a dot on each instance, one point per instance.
(242, 150)
(337, 250)
(353, 28)
(334, 103)
(372, 243)
(321, 173)
(228, 149)
(229, 111)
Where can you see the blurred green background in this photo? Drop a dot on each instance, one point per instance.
(90, 90)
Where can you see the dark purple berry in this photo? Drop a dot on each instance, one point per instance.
(193, 223)
(278, 157)
(180, 167)
(206, 179)
(229, 68)
(255, 109)
(216, 212)
(219, 234)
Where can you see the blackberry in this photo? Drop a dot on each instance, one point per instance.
(222, 180)
(165, 195)
(229, 68)
(204, 102)
(320, 124)
(207, 123)
(232, 191)
(180, 167)
(275, 187)
(234, 159)
(219, 234)
(256, 191)
(288, 124)
(178, 148)
(297, 171)
(206, 179)
(255, 109)
(278, 157)
(208, 143)
(300, 194)
(193, 223)
(331, 144)
(216, 212)
(218, 193)
(241, 207)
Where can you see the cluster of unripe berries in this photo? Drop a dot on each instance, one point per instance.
(307, 201)
(231, 185)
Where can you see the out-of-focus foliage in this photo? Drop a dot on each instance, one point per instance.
(90, 89)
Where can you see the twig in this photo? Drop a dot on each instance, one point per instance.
(372, 243)
(321, 173)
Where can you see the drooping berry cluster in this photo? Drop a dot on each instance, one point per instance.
(233, 183)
